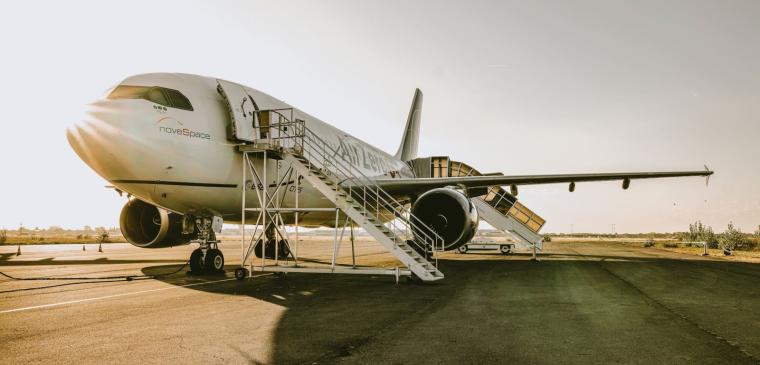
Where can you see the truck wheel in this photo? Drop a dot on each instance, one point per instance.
(241, 273)
(462, 249)
(505, 249)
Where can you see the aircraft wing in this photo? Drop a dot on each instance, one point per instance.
(417, 185)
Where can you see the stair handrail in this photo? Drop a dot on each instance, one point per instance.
(382, 198)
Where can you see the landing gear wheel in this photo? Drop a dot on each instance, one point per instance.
(284, 249)
(462, 249)
(214, 260)
(505, 249)
(241, 273)
(196, 262)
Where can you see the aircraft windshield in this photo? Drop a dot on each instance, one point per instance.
(159, 95)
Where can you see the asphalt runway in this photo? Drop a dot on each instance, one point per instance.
(583, 303)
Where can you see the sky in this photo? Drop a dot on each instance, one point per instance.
(519, 87)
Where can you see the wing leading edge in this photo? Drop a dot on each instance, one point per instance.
(417, 185)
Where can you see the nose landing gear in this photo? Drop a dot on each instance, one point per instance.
(208, 258)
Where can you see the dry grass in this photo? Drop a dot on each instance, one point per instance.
(51, 239)
(667, 244)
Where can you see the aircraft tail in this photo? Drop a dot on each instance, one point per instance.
(410, 140)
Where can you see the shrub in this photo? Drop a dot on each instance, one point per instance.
(732, 238)
(103, 236)
(649, 242)
(702, 233)
(547, 238)
(3, 236)
(670, 244)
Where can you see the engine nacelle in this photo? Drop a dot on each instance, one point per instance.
(147, 226)
(450, 213)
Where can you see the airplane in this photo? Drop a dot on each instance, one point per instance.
(173, 143)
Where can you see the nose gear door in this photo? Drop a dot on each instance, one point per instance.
(242, 109)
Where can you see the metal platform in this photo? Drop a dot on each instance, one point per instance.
(302, 155)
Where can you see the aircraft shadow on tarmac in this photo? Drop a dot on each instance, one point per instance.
(332, 316)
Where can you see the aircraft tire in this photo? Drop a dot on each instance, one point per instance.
(462, 249)
(214, 260)
(196, 261)
(284, 249)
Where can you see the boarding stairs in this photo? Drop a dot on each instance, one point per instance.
(498, 207)
(502, 210)
(367, 207)
(387, 220)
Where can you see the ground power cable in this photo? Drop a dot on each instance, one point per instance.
(87, 280)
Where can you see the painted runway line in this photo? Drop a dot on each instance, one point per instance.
(115, 295)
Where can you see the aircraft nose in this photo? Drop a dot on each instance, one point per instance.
(94, 138)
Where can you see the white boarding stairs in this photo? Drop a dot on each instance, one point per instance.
(357, 211)
(390, 222)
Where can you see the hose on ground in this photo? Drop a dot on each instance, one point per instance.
(87, 280)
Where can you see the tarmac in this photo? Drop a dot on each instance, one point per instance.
(582, 303)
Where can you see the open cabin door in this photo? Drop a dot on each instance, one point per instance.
(242, 109)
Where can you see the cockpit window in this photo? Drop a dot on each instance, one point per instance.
(159, 95)
(177, 100)
(128, 92)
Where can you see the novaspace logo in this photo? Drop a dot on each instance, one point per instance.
(185, 132)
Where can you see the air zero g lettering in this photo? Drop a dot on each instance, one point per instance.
(357, 155)
(184, 132)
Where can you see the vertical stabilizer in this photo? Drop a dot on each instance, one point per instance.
(410, 139)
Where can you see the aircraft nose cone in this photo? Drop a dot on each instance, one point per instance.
(94, 138)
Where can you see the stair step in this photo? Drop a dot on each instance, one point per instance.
(352, 200)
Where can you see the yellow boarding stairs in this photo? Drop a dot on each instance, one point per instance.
(498, 207)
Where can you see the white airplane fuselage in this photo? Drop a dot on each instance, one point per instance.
(187, 162)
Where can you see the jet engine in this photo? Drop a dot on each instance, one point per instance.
(448, 212)
(147, 226)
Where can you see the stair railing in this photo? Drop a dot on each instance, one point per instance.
(376, 202)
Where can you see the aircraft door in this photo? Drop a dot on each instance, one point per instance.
(242, 109)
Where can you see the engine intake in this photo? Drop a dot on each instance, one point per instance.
(147, 226)
(450, 213)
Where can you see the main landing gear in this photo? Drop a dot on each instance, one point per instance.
(208, 258)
